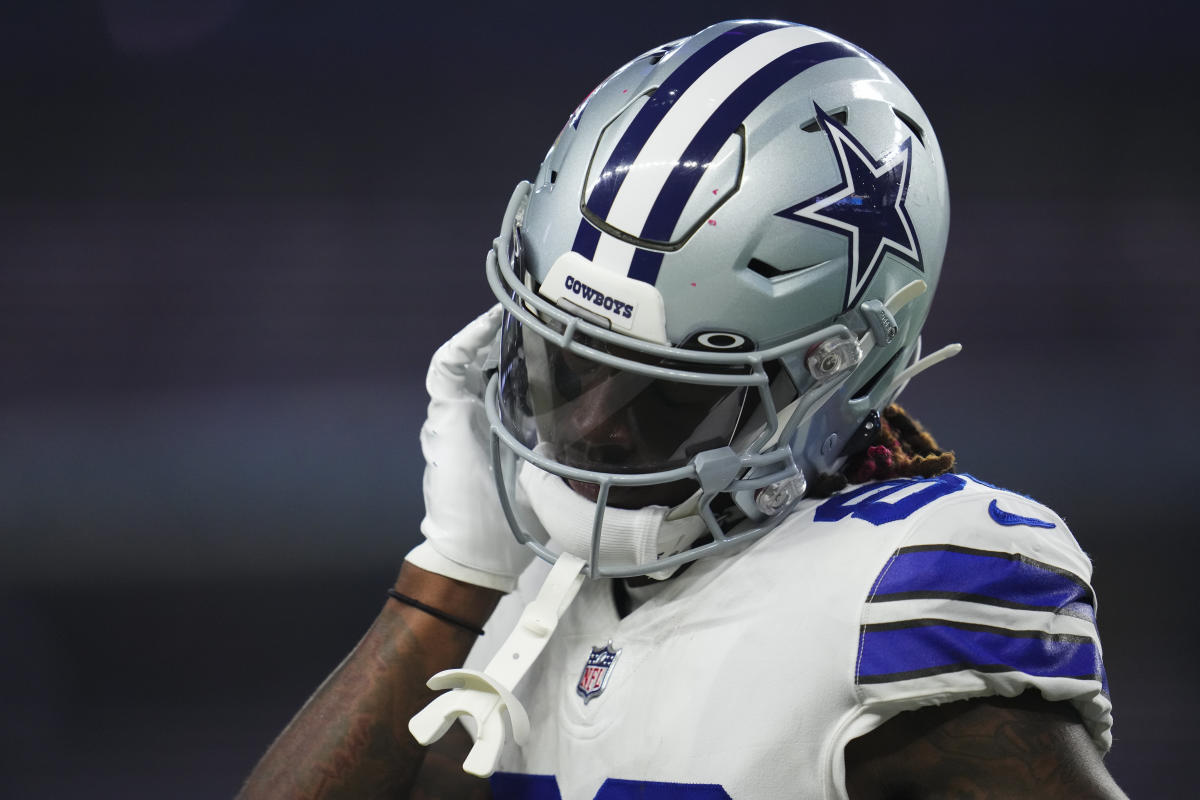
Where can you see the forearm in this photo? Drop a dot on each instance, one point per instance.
(351, 738)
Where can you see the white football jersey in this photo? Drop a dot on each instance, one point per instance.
(746, 676)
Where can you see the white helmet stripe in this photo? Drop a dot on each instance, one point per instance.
(648, 189)
(665, 147)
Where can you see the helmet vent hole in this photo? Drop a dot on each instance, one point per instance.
(662, 52)
(764, 269)
(814, 126)
(912, 125)
(553, 176)
(772, 272)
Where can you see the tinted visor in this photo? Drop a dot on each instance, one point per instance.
(590, 415)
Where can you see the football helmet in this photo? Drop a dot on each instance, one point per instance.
(714, 284)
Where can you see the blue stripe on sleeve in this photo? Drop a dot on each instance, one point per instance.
(900, 651)
(981, 576)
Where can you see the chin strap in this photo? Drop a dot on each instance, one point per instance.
(487, 696)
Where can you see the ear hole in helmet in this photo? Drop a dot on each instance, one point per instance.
(912, 125)
(813, 126)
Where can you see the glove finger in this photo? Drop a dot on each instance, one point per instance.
(452, 360)
(464, 346)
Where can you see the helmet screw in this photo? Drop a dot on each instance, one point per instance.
(829, 443)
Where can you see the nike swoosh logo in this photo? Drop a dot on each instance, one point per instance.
(1006, 518)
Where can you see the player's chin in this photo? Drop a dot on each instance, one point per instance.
(664, 494)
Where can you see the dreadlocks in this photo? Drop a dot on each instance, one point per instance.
(901, 448)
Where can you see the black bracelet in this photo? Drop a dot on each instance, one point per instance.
(435, 612)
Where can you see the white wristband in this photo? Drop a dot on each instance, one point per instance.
(429, 559)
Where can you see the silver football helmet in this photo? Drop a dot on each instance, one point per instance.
(713, 286)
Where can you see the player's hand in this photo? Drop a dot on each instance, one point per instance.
(466, 535)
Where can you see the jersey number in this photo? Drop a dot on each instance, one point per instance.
(514, 786)
(870, 502)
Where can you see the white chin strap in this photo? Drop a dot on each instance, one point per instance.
(487, 697)
(628, 537)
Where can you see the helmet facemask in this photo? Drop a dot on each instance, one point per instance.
(629, 424)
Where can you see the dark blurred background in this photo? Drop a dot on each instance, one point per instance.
(232, 232)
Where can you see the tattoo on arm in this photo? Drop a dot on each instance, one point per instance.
(351, 739)
(983, 749)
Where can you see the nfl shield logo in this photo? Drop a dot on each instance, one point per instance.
(596, 671)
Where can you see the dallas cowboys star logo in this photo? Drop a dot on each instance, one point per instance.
(867, 206)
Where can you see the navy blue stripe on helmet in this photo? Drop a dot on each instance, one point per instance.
(645, 265)
(587, 238)
(900, 651)
(723, 123)
(600, 200)
(982, 576)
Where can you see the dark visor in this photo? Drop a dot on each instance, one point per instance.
(591, 415)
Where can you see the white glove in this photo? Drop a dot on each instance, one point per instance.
(467, 537)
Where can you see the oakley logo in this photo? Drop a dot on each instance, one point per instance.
(607, 302)
(718, 340)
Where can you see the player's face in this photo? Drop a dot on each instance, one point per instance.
(590, 415)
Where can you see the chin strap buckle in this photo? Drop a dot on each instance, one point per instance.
(487, 696)
(880, 320)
